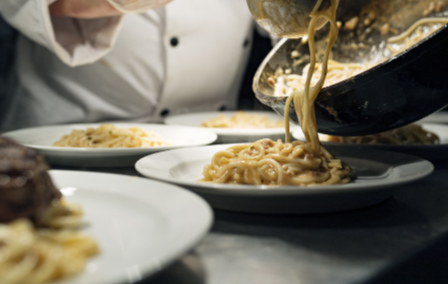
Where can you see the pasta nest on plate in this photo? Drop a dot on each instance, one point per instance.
(266, 162)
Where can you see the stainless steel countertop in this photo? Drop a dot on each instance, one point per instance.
(356, 246)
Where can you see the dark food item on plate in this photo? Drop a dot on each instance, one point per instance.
(26, 189)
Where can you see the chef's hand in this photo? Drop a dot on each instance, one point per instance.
(85, 9)
(89, 9)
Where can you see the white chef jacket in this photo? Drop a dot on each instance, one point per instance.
(188, 56)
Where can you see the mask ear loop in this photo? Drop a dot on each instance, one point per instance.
(137, 6)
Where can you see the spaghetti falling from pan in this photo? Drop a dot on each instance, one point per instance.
(268, 162)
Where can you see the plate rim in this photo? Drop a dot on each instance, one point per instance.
(439, 117)
(106, 151)
(203, 214)
(290, 190)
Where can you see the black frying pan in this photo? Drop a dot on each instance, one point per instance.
(399, 91)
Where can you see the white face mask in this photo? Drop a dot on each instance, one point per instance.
(137, 6)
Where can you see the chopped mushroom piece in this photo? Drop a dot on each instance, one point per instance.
(351, 24)
(385, 29)
(431, 8)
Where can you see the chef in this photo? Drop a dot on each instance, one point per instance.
(121, 60)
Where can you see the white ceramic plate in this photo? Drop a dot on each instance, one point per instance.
(429, 152)
(140, 225)
(42, 138)
(375, 173)
(231, 135)
(438, 117)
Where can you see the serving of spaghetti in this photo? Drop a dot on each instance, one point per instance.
(267, 162)
(242, 119)
(110, 136)
(48, 251)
